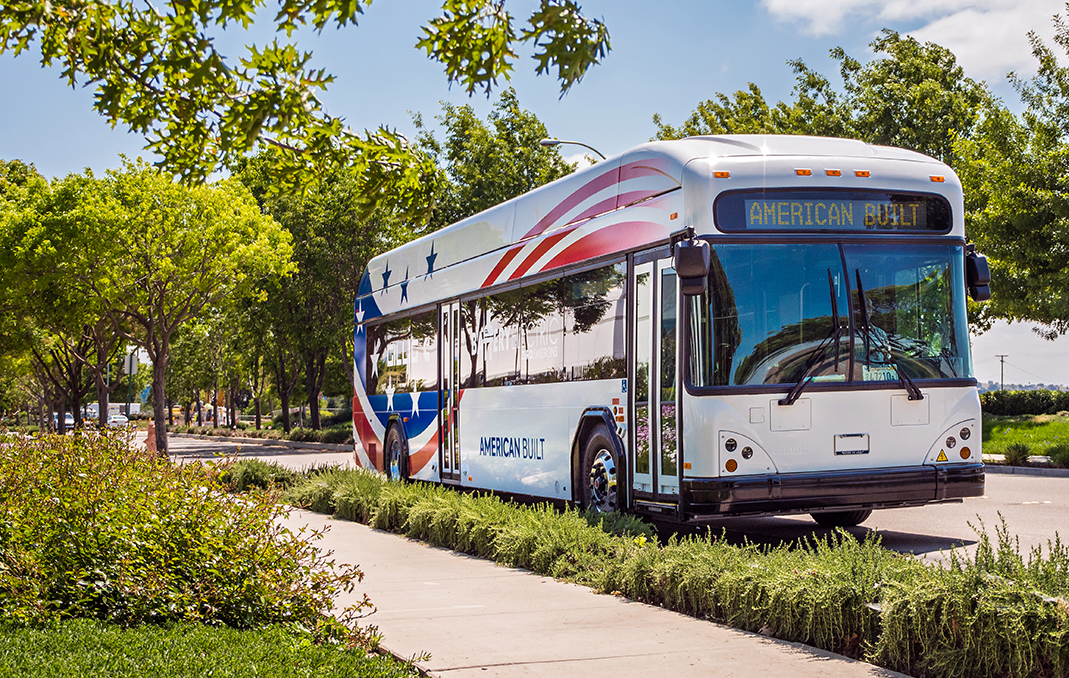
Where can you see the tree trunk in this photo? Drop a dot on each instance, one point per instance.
(215, 403)
(256, 400)
(284, 396)
(314, 372)
(159, 402)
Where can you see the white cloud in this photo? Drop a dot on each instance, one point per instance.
(582, 159)
(989, 37)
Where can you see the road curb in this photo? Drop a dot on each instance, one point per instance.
(1026, 471)
(292, 444)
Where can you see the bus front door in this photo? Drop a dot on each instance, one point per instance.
(449, 395)
(655, 399)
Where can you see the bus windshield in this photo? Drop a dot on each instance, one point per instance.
(840, 312)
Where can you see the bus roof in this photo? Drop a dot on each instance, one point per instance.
(638, 174)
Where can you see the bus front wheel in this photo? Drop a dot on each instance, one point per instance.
(842, 518)
(396, 462)
(599, 472)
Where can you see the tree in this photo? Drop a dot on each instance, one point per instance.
(158, 71)
(153, 254)
(484, 164)
(336, 229)
(916, 96)
(1015, 172)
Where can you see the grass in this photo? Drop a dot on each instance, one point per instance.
(90, 649)
(996, 614)
(1038, 432)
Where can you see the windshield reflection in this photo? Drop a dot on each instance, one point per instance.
(773, 309)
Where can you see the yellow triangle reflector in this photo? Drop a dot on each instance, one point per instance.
(942, 456)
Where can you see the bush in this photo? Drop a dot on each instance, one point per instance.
(994, 614)
(245, 474)
(1059, 455)
(1013, 403)
(92, 528)
(1016, 454)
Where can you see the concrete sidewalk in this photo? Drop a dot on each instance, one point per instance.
(477, 618)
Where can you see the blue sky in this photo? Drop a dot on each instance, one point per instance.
(667, 57)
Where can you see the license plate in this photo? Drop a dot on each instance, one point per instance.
(851, 443)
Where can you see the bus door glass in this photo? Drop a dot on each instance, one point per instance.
(449, 396)
(667, 467)
(643, 359)
(655, 445)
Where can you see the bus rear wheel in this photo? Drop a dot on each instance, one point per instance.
(599, 472)
(396, 463)
(842, 518)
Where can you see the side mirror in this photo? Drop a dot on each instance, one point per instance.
(977, 274)
(692, 266)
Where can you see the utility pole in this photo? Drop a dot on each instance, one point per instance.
(1002, 360)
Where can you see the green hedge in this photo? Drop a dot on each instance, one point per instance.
(996, 614)
(91, 528)
(1014, 403)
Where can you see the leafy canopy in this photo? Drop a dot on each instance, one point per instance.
(484, 164)
(159, 71)
(1015, 172)
(914, 96)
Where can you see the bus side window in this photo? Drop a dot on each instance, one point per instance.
(595, 331)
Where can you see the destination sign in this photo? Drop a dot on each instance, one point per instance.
(831, 210)
(849, 214)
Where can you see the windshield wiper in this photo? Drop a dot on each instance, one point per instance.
(911, 388)
(818, 355)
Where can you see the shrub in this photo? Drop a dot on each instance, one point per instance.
(244, 474)
(1039, 401)
(1059, 455)
(992, 615)
(1016, 454)
(92, 528)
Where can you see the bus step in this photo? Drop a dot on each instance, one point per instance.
(660, 507)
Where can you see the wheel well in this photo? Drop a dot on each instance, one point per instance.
(590, 419)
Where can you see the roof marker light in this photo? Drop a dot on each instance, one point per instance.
(721, 174)
(861, 173)
(803, 172)
(937, 179)
(833, 173)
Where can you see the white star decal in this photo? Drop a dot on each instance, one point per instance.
(390, 390)
(415, 403)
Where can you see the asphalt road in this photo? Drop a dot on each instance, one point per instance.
(1036, 509)
(190, 449)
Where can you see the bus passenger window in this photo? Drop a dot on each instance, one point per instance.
(595, 336)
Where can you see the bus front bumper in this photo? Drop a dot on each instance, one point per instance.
(831, 490)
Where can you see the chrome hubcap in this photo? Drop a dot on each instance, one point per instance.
(603, 482)
(393, 459)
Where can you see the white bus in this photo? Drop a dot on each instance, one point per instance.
(716, 326)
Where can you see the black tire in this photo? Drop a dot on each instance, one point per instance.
(598, 472)
(842, 518)
(395, 462)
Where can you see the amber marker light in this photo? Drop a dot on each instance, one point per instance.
(833, 173)
(721, 175)
(965, 453)
(673, 216)
(731, 465)
(686, 465)
(803, 172)
(937, 179)
(861, 173)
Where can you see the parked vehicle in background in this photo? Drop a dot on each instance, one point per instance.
(68, 421)
(118, 421)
